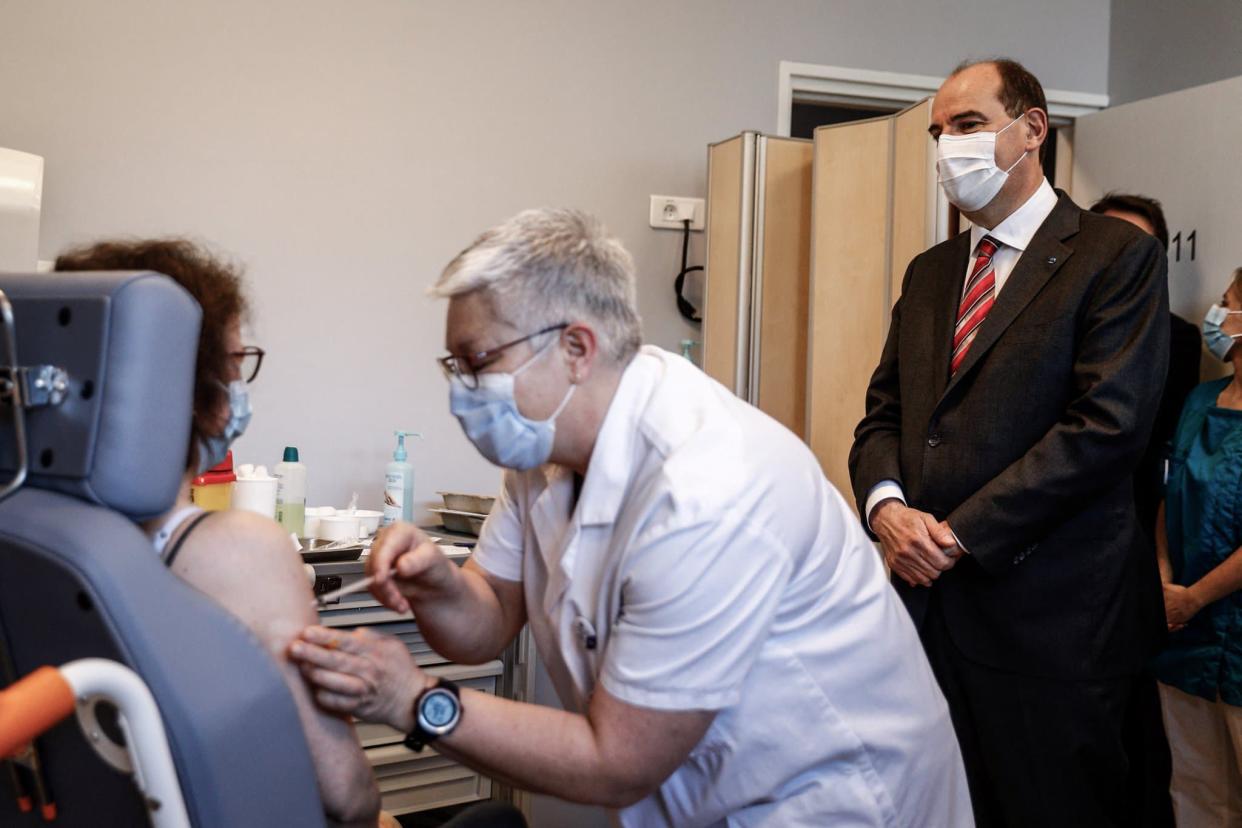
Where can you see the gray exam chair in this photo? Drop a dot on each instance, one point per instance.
(79, 579)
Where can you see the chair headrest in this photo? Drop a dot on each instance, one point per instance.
(128, 341)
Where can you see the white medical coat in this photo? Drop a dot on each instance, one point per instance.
(709, 565)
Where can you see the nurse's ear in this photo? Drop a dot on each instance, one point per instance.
(581, 348)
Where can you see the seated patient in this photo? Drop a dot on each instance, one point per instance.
(241, 560)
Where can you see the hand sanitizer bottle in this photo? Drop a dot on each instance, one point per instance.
(399, 483)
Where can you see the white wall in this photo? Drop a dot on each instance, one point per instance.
(344, 151)
(1139, 147)
(1158, 47)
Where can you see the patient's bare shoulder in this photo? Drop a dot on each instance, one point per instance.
(248, 564)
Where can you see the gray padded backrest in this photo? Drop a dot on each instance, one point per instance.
(128, 341)
(77, 580)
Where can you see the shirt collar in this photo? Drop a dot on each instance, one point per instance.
(1019, 227)
(607, 477)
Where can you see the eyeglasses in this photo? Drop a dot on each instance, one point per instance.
(467, 367)
(249, 361)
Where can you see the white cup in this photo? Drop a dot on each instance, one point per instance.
(368, 520)
(338, 528)
(255, 494)
(313, 514)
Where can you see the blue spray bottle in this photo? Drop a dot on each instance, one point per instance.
(399, 483)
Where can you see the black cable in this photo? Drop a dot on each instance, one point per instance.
(687, 310)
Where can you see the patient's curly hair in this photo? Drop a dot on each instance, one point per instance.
(213, 282)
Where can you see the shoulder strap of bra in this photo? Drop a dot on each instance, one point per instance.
(171, 554)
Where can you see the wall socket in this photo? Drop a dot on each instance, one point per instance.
(670, 212)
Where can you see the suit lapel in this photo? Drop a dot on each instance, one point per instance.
(1043, 257)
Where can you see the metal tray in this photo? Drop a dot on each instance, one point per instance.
(312, 551)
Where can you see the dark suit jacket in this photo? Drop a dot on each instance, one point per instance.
(1029, 450)
(1185, 348)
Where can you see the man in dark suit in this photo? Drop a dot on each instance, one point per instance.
(1014, 397)
(1152, 764)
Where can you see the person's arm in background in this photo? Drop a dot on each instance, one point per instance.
(1181, 603)
(1124, 344)
(246, 564)
(913, 541)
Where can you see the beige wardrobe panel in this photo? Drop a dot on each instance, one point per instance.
(783, 250)
(722, 302)
(914, 193)
(850, 276)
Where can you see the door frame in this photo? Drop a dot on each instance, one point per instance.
(816, 83)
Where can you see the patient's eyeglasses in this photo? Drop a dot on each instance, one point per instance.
(249, 360)
(468, 367)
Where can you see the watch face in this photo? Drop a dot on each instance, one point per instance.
(439, 709)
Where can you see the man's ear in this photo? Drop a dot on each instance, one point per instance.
(1037, 125)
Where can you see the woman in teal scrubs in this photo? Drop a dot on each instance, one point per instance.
(1199, 542)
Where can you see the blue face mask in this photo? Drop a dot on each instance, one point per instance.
(213, 449)
(1218, 342)
(489, 415)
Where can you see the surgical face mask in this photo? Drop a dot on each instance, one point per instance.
(966, 165)
(490, 417)
(1217, 340)
(213, 449)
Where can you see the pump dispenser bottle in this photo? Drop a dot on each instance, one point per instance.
(399, 483)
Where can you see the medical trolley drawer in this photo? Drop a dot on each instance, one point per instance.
(410, 781)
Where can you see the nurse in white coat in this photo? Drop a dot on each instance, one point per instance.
(715, 620)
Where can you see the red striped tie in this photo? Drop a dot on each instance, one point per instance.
(977, 300)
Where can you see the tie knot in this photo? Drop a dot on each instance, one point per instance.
(988, 247)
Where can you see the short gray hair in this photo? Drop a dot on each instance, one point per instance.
(550, 266)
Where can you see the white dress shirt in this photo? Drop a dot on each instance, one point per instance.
(1013, 235)
(709, 565)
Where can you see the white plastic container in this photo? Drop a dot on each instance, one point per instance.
(255, 491)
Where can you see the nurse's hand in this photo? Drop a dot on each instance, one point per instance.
(407, 564)
(360, 673)
(913, 542)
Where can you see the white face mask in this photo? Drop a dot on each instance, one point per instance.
(966, 165)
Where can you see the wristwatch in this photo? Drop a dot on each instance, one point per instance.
(437, 712)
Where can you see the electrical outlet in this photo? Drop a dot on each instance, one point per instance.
(670, 212)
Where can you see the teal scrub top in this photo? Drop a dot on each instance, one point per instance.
(1203, 519)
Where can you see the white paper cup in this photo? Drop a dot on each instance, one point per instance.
(313, 514)
(255, 494)
(338, 528)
